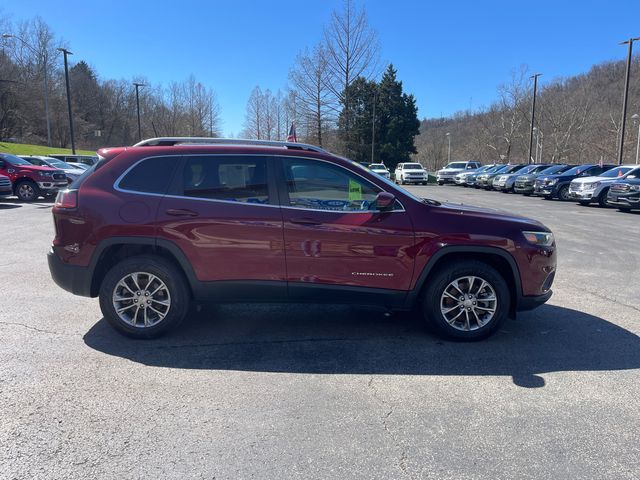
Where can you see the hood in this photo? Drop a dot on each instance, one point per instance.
(491, 214)
(34, 168)
(73, 171)
(596, 179)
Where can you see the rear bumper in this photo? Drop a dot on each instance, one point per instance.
(72, 278)
(531, 302)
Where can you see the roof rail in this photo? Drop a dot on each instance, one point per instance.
(171, 141)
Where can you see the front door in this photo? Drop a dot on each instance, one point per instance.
(338, 246)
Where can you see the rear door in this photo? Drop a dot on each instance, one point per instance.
(223, 213)
(338, 246)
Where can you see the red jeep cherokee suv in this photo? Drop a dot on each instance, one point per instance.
(151, 227)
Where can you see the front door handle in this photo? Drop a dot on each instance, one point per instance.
(181, 212)
(305, 221)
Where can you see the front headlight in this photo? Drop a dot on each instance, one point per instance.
(552, 182)
(635, 188)
(46, 174)
(542, 239)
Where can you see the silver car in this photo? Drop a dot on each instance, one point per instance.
(588, 190)
(448, 173)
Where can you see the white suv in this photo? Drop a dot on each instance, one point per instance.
(448, 173)
(411, 173)
(380, 169)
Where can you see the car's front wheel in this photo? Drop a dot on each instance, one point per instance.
(27, 191)
(466, 300)
(144, 296)
(563, 193)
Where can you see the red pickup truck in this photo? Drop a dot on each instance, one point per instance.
(30, 181)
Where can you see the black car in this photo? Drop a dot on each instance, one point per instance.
(557, 186)
(524, 183)
(625, 193)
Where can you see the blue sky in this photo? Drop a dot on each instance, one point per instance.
(451, 55)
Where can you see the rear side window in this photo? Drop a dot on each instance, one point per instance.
(230, 178)
(151, 175)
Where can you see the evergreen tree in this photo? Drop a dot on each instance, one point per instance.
(395, 117)
(397, 121)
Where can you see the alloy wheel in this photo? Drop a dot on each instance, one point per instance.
(468, 303)
(141, 299)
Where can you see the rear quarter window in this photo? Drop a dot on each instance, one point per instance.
(151, 175)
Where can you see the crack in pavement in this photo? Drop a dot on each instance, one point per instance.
(29, 327)
(402, 462)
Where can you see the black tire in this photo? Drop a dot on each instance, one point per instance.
(584, 204)
(548, 197)
(602, 199)
(440, 280)
(624, 209)
(563, 193)
(27, 191)
(527, 194)
(168, 273)
(440, 183)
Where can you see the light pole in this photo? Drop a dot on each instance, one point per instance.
(625, 96)
(373, 127)
(45, 81)
(138, 85)
(533, 111)
(635, 118)
(449, 148)
(66, 76)
(535, 132)
(541, 136)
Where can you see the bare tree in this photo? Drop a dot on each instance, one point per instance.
(310, 78)
(254, 117)
(352, 51)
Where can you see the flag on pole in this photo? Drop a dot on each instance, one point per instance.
(292, 137)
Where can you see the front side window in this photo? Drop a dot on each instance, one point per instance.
(151, 175)
(320, 185)
(229, 178)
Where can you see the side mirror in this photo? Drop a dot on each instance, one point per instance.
(385, 201)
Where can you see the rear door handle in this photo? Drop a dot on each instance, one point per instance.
(305, 221)
(181, 212)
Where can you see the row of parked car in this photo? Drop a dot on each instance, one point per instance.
(604, 184)
(30, 177)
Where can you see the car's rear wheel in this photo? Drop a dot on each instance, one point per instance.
(144, 297)
(466, 300)
(27, 191)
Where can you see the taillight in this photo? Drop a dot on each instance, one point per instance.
(67, 199)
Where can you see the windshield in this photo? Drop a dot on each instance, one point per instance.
(555, 169)
(616, 172)
(529, 169)
(513, 168)
(408, 166)
(13, 160)
(377, 166)
(456, 165)
(577, 170)
(59, 164)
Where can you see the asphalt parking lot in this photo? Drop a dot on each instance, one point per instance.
(328, 392)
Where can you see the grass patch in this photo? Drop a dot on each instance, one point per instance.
(26, 149)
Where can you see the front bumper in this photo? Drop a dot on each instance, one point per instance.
(545, 190)
(531, 302)
(53, 186)
(6, 191)
(444, 178)
(72, 278)
(624, 200)
(523, 188)
(582, 195)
